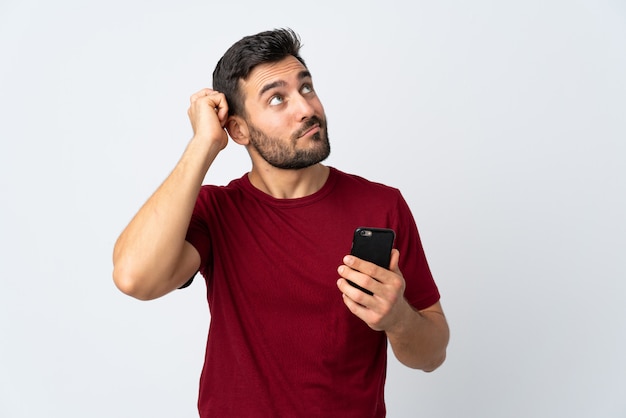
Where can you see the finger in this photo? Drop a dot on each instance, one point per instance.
(356, 308)
(368, 284)
(221, 107)
(365, 267)
(353, 294)
(201, 93)
(213, 99)
(395, 260)
(363, 312)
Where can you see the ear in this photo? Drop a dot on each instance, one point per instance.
(238, 130)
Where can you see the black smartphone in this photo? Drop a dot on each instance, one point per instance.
(373, 245)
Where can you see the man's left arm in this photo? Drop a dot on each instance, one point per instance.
(418, 338)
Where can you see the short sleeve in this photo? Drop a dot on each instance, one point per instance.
(421, 290)
(198, 233)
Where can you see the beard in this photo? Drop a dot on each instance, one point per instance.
(285, 154)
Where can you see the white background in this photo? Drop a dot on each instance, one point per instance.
(503, 123)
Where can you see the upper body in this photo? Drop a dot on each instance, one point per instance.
(263, 97)
(281, 338)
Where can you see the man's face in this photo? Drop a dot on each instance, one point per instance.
(285, 118)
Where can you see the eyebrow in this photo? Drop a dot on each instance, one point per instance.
(281, 83)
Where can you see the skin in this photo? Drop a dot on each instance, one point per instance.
(281, 112)
(418, 338)
(151, 257)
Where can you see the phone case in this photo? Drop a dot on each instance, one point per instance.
(373, 245)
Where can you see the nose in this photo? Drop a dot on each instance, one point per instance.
(303, 108)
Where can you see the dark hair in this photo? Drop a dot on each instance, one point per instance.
(244, 55)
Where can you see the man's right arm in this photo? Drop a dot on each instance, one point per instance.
(151, 257)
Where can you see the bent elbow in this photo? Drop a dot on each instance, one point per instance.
(434, 365)
(130, 284)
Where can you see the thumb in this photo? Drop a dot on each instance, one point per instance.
(395, 259)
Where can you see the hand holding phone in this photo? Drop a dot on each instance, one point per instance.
(373, 245)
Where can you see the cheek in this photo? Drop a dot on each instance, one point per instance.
(268, 123)
(275, 125)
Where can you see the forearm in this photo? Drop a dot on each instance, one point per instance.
(420, 339)
(148, 251)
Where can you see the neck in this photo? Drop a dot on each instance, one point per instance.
(289, 184)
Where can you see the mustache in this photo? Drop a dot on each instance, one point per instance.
(308, 124)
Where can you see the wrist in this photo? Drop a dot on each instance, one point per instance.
(404, 319)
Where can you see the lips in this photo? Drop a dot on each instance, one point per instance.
(312, 126)
(315, 128)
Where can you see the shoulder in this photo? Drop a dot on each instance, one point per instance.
(221, 199)
(231, 189)
(356, 183)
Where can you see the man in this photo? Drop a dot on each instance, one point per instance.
(289, 336)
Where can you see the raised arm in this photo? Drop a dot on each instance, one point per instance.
(151, 257)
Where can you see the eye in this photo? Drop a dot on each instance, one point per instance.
(276, 100)
(306, 88)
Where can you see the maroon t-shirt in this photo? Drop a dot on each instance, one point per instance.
(281, 341)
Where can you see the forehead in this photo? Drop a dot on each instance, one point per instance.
(263, 75)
